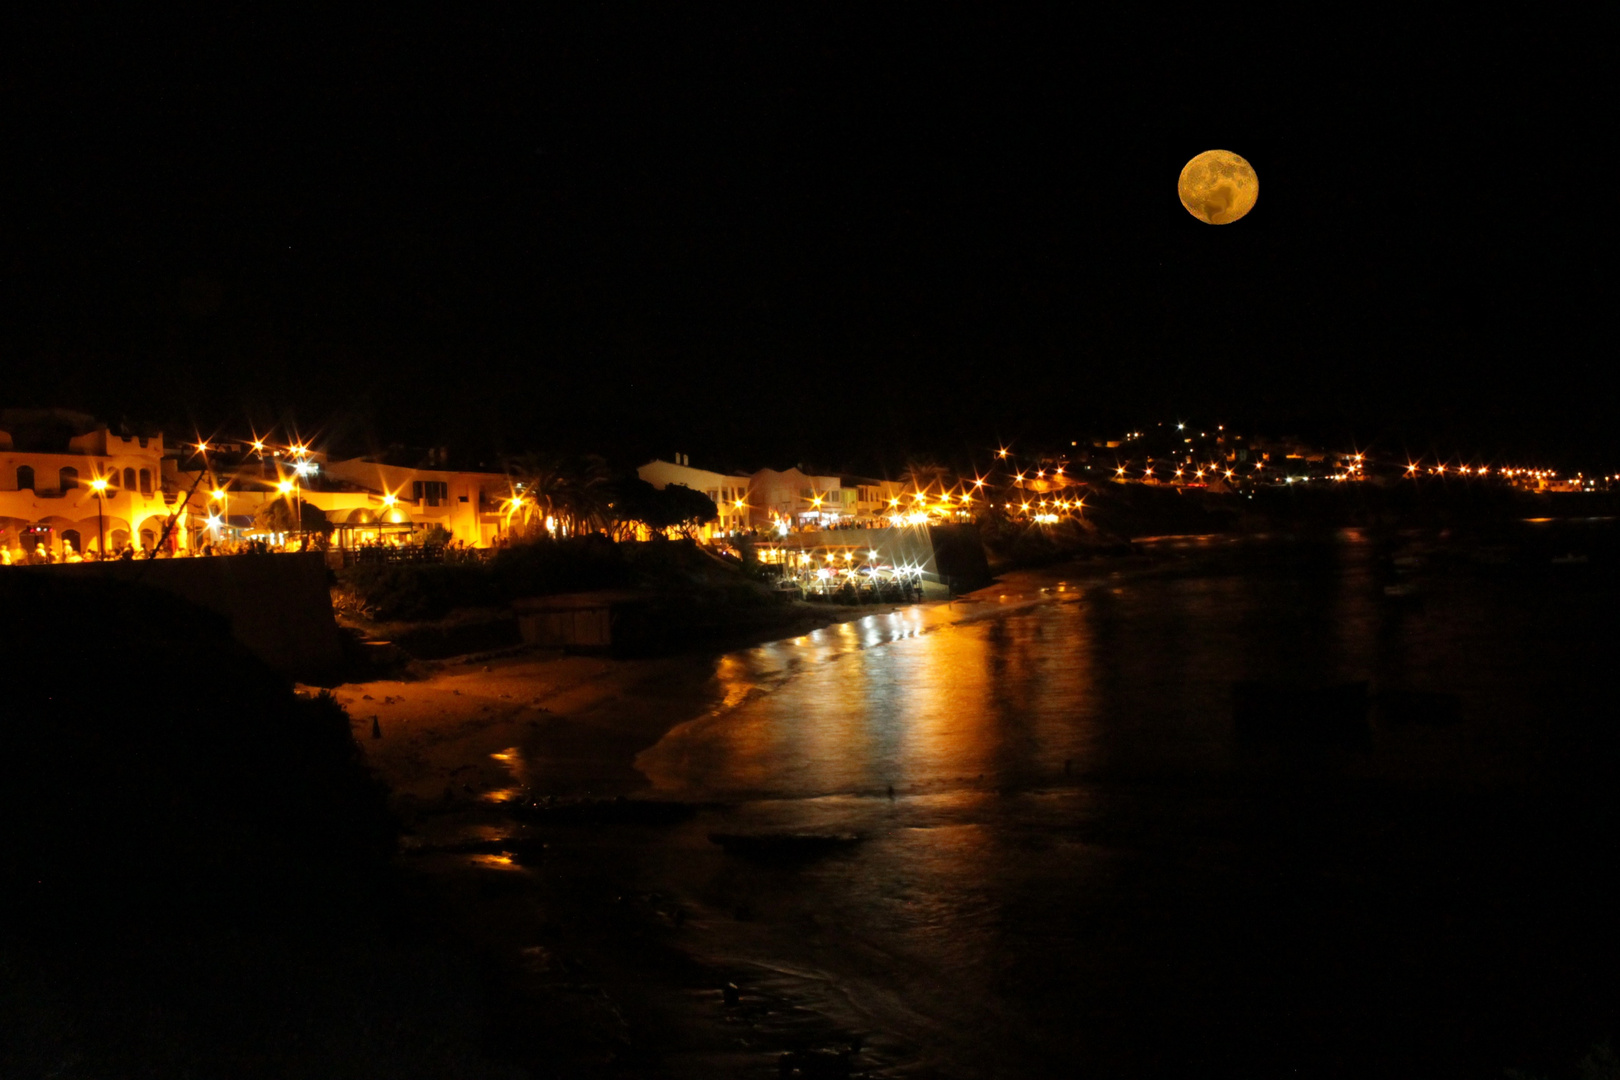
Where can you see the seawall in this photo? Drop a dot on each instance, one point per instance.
(278, 606)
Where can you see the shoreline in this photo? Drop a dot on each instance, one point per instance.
(581, 971)
(594, 958)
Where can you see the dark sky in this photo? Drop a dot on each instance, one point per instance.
(778, 236)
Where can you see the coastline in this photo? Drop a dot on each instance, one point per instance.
(598, 958)
(583, 713)
(587, 976)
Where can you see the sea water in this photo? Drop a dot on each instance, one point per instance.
(1071, 862)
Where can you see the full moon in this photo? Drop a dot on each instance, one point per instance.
(1218, 187)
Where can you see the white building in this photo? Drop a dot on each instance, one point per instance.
(729, 493)
(68, 482)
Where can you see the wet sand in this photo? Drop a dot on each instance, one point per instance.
(587, 978)
(579, 721)
(595, 972)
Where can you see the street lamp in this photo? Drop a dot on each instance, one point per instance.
(301, 470)
(99, 485)
(222, 497)
(287, 487)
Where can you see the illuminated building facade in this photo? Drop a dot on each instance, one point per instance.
(67, 482)
(729, 493)
(470, 506)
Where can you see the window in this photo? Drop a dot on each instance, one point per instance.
(129, 479)
(146, 481)
(25, 478)
(68, 478)
(431, 492)
(70, 538)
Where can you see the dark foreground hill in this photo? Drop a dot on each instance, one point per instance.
(197, 876)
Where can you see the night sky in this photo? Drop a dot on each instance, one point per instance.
(774, 236)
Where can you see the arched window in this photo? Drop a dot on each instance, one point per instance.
(117, 540)
(146, 481)
(148, 539)
(69, 478)
(70, 538)
(25, 478)
(129, 479)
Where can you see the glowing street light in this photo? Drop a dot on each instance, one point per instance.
(291, 486)
(221, 496)
(99, 486)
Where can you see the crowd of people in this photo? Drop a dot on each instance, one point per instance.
(41, 554)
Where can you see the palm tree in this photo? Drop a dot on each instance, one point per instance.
(575, 493)
(588, 502)
(926, 473)
(539, 487)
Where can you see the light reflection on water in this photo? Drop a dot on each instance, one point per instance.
(516, 765)
(1011, 701)
(1071, 813)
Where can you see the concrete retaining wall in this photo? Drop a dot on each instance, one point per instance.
(278, 606)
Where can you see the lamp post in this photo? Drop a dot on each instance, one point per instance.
(287, 487)
(222, 497)
(99, 485)
(389, 499)
(300, 470)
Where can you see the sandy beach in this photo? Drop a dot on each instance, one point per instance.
(586, 973)
(613, 938)
(446, 730)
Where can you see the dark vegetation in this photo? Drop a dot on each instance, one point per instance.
(197, 877)
(413, 591)
(409, 591)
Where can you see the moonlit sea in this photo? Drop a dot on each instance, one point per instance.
(1072, 865)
